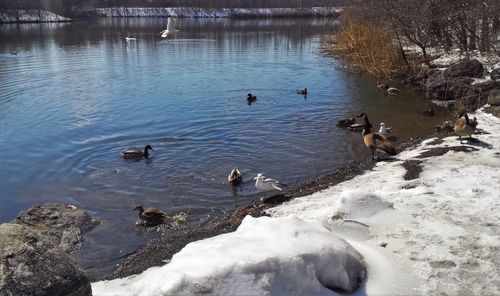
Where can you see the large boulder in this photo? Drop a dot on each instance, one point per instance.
(494, 97)
(63, 224)
(465, 68)
(446, 89)
(31, 265)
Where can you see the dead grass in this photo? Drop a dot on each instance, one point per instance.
(368, 48)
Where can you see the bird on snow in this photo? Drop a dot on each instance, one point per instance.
(464, 126)
(375, 141)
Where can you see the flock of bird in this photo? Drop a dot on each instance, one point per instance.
(375, 141)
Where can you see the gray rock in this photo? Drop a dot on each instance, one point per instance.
(447, 89)
(494, 97)
(495, 74)
(31, 265)
(465, 68)
(63, 224)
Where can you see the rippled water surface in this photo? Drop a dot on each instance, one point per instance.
(77, 94)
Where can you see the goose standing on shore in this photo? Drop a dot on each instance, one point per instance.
(464, 126)
(136, 152)
(375, 141)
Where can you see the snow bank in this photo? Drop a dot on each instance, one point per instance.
(438, 233)
(14, 16)
(215, 12)
(278, 256)
(443, 230)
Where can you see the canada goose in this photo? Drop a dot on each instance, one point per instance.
(346, 122)
(302, 91)
(381, 86)
(251, 98)
(234, 177)
(150, 216)
(375, 141)
(136, 152)
(429, 112)
(264, 184)
(384, 130)
(393, 90)
(464, 127)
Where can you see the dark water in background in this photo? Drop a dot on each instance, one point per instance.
(77, 94)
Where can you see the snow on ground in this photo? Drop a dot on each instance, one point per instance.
(437, 234)
(196, 12)
(33, 15)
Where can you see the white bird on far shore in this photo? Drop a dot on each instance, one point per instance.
(267, 184)
(170, 28)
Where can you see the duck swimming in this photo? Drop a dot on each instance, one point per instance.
(150, 216)
(234, 177)
(251, 98)
(464, 126)
(302, 91)
(381, 86)
(346, 122)
(375, 141)
(136, 152)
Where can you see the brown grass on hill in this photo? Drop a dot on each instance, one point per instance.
(368, 48)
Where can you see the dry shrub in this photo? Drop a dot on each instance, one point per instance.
(367, 47)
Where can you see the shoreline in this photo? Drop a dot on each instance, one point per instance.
(160, 250)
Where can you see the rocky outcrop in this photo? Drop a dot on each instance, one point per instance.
(30, 16)
(62, 224)
(456, 86)
(31, 265)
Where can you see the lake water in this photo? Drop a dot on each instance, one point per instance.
(77, 94)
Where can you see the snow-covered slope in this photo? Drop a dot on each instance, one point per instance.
(33, 15)
(214, 12)
(436, 233)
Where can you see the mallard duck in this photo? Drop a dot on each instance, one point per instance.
(381, 86)
(234, 177)
(136, 152)
(251, 98)
(150, 216)
(464, 127)
(384, 130)
(346, 122)
(375, 141)
(302, 91)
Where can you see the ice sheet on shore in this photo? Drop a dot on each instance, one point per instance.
(436, 233)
